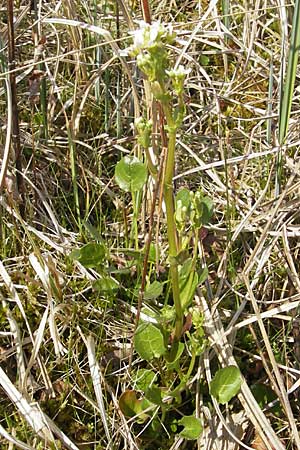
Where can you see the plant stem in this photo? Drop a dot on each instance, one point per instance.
(171, 226)
(135, 203)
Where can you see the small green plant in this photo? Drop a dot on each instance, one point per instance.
(159, 341)
(226, 384)
(154, 58)
(167, 311)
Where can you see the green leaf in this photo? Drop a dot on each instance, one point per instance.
(153, 291)
(144, 379)
(207, 210)
(188, 282)
(129, 403)
(287, 91)
(192, 427)
(289, 83)
(226, 384)
(153, 253)
(184, 195)
(264, 394)
(185, 270)
(173, 357)
(151, 313)
(130, 174)
(149, 341)
(131, 406)
(90, 255)
(167, 313)
(203, 275)
(106, 284)
(153, 394)
(204, 60)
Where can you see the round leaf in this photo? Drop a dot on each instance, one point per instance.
(184, 196)
(226, 384)
(153, 291)
(90, 255)
(131, 406)
(130, 174)
(149, 341)
(144, 379)
(106, 285)
(192, 427)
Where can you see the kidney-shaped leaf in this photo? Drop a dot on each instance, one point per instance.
(226, 384)
(184, 196)
(149, 341)
(106, 285)
(192, 427)
(90, 255)
(130, 174)
(131, 406)
(153, 291)
(144, 379)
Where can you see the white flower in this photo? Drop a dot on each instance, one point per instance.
(178, 73)
(139, 35)
(155, 29)
(149, 34)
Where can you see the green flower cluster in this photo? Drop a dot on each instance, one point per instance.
(150, 48)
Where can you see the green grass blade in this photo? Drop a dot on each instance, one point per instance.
(287, 91)
(286, 102)
(226, 13)
(270, 103)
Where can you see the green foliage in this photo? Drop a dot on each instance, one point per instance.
(130, 174)
(288, 86)
(149, 341)
(264, 394)
(192, 427)
(226, 384)
(173, 358)
(106, 284)
(91, 255)
(153, 291)
(188, 282)
(144, 131)
(132, 406)
(192, 208)
(144, 379)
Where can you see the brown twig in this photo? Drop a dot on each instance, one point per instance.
(146, 11)
(14, 103)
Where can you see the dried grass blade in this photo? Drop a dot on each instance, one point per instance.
(15, 330)
(284, 397)
(32, 415)
(13, 440)
(38, 342)
(6, 152)
(38, 420)
(114, 46)
(12, 290)
(96, 377)
(43, 274)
